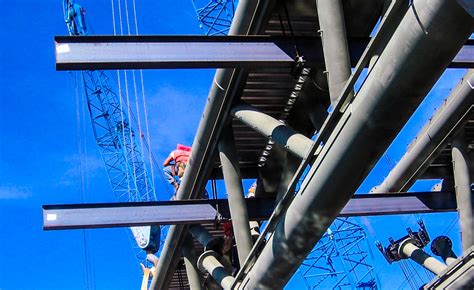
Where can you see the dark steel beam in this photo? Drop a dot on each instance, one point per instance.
(246, 172)
(106, 215)
(154, 52)
(113, 216)
(403, 203)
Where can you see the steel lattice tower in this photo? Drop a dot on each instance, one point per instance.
(340, 259)
(215, 16)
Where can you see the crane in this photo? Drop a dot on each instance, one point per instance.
(115, 138)
(215, 16)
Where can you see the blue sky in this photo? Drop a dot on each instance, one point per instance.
(48, 155)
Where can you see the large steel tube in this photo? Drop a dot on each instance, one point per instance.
(266, 125)
(428, 37)
(443, 247)
(235, 194)
(205, 238)
(208, 262)
(190, 261)
(462, 186)
(335, 48)
(409, 250)
(428, 141)
(247, 20)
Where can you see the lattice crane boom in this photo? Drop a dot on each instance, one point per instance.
(115, 137)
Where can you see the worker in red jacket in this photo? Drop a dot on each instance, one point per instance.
(175, 164)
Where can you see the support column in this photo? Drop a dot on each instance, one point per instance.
(208, 262)
(266, 125)
(233, 184)
(462, 186)
(335, 48)
(190, 261)
(409, 250)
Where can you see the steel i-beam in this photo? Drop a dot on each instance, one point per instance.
(160, 52)
(106, 215)
(124, 214)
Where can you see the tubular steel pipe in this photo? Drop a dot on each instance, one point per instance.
(429, 36)
(190, 261)
(266, 125)
(462, 186)
(235, 192)
(247, 20)
(205, 238)
(409, 250)
(428, 141)
(443, 247)
(335, 48)
(208, 262)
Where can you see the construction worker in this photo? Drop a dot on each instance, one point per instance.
(75, 19)
(252, 189)
(175, 164)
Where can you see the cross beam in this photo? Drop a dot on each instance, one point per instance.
(106, 215)
(155, 52)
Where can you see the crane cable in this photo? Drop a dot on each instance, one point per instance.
(148, 198)
(137, 196)
(147, 144)
(122, 115)
(82, 155)
(145, 112)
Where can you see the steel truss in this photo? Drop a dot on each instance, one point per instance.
(215, 16)
(122, 157)
(340, 259)
(115, 137)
